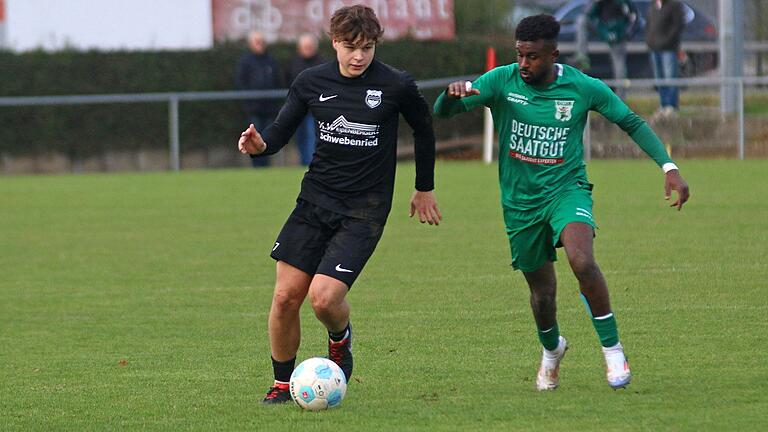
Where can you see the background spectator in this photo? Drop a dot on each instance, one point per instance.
(306, 56)
(663, 33)
(258, 70)
(615, 22)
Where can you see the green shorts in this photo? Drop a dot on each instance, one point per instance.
(534, 234)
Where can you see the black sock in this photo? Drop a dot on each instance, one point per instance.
(336, 337)
(283, 370)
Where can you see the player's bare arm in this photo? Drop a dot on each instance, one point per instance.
(425, 205)
(674, 181)
(460, 89)
(250, 141)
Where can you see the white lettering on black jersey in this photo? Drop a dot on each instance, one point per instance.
(345, 132)
(356, 119)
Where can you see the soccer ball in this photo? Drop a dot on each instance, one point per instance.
(318, 384)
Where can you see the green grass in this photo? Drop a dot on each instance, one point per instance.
(139, 301)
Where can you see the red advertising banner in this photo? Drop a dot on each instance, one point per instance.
(2, 10)
(287, 19)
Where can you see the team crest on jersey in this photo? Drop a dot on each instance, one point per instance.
(563, 109)
(373, 98)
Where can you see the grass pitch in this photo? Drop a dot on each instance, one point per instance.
(139, 301)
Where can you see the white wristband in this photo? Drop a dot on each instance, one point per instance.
(468, 85)
(669, 166)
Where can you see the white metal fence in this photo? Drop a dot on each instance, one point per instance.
(738, 83)
(173, 100)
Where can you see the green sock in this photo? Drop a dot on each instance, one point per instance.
(550, 338)
(606, 330)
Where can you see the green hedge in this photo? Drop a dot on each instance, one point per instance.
(84, 130)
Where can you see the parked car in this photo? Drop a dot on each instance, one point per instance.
(699, 28)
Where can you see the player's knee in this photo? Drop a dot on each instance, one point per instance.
(584, 266)
(287, 302)
(322, 300)
(323, 305)
(543, 300)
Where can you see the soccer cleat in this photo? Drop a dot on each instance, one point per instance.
(277, 394)
(341, 353)
(616, 367)
(548, 377)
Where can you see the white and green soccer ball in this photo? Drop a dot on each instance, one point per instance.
(318, 384)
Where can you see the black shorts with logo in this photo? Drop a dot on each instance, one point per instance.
(319, 241)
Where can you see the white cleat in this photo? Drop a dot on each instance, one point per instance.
(548, 377)
(616, 367)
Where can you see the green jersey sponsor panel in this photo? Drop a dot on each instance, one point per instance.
(540, 129)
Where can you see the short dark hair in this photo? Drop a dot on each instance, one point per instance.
(538, 27)
(355, 24)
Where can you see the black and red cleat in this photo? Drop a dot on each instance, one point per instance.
(277, 394)
(341, 354)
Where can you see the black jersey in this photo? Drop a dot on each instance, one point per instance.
(356, 119)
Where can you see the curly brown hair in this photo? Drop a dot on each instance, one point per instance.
(356, 24)
(538, 27)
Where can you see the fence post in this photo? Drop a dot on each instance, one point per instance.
(488, 133)
(731, 51)
(173, 132)
(740, 107)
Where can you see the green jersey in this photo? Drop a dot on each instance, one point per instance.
(540, 129)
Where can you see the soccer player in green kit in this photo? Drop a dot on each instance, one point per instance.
(540, 109)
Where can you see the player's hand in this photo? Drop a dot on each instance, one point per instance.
(460, 89)
(673, 181)
(425, 205)
(251, 142)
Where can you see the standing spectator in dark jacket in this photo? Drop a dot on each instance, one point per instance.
(663, 33)
(306, 56)
(258, 70)
(615, 23)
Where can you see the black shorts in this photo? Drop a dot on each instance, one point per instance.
(320, 241)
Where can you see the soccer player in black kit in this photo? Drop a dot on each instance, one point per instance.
(346, 194)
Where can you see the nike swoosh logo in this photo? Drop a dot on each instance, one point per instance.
(324, 98)
(339, 268)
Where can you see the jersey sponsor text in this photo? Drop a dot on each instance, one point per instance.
(349, 141)
(344, 132)
(537, 144)
(517, 98)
